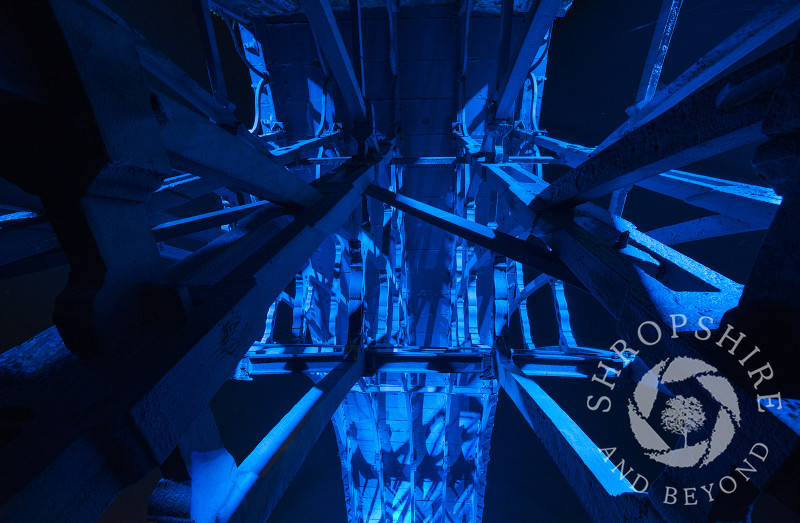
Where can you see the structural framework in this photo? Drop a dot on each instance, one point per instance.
(381, 234)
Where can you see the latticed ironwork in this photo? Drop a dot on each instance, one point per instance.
(385, 226)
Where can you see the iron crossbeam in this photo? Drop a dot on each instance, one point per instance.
(569, 153)
(266, 472)
(662, 34)
(209, 42)
(586, 243)
(20, 219)
(725, 115)
(533, 159)
(281, 247)
(184, 226)
(469, 144)
(682, 287)
(199, 147)
(200, 445)
(605, 494)
(511, 247)
(741, 201)
(701, 229)
(156, 63)
(376, 361)
(542, 361)
(297, 151)
(773, 16)
(540, 22)
(750, 203)
(323, 159)
(587, 240)
(326, 32)
(423, 161)
(504, 50)
(357, 45)
(147, 410)
(179, 189)
(36, 248)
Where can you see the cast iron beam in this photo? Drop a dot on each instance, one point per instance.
(659, 45)
(773, 16)
(604, 492)
(745, 202)
(197, 146)
(297, 151)
(721, 117)
(93, 436)
(506, 93)
(507, 245)
(266, 472)
(326, 32)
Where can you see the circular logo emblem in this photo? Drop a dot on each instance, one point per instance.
(683, 415)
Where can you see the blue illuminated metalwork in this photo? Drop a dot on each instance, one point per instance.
(384, 226)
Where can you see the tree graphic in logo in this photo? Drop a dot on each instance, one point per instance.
(684, 415)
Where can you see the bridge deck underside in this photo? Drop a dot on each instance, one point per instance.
(411, 455)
